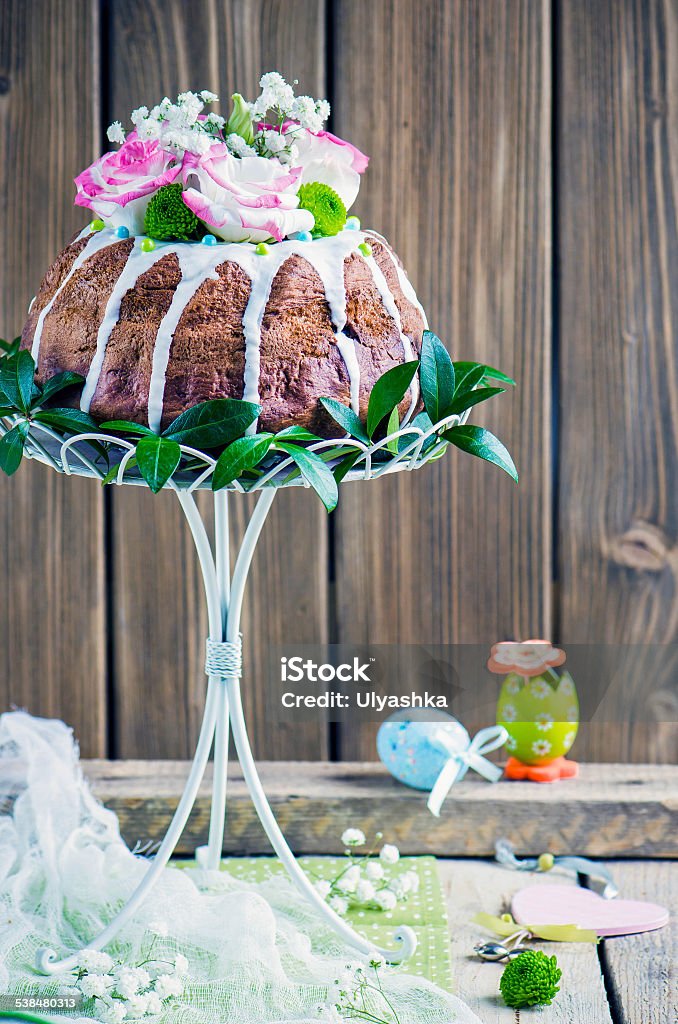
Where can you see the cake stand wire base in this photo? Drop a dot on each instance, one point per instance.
(223, 715)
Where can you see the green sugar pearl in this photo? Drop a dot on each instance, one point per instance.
(148, 245)
(261, 249)
(97, 225)
(365, 249)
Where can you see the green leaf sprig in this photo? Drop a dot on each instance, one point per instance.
(225, 427)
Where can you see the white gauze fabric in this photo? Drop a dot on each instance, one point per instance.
(257, 953)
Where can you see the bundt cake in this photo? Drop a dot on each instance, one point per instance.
(221, 264)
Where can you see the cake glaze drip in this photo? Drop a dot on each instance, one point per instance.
(197, 264)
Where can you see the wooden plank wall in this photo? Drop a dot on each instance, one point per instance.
(524, 166)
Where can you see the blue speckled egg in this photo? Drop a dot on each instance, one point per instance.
(407, 746)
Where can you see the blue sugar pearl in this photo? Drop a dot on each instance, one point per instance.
(122, 232)
(352, 224)
(209, 240)
(302, 236)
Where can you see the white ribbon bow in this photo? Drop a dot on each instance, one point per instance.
(461, 760)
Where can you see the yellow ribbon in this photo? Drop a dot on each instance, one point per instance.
(505, 926)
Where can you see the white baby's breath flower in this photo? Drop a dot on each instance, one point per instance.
(115, 132)
(386, 899)
(140, 114)
(399, 886)
(541, 747)
(274, 142)
(389, 854)
(130, 980)
(113, 1013)
(364, 891)
(153, 1003)
(412, 881)
(181, 964)
(95, 960)
(94, 985)
(339, 905)
(349, 880)
(208, 97)
(136, 1005)
(323, 109)
(322, 887)
(237, 145)
(374, 871)
(215, 120)
(168, 986)
(353, 837)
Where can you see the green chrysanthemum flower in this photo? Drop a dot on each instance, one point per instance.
(167, 216)
(325, 205)
(530, 980)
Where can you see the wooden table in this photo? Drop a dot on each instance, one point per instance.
(627, 814)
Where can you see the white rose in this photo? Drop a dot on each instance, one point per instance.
(246, 198)
(325, 157)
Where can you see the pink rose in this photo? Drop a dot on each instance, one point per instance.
(326, 158)
(243, 199)
(119, 186)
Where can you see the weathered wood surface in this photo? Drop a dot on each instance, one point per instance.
(52, 648)
(472, 886)
(457, 554)
(469, 147)
(618, 310)
(642, 969)
(161, 48)
(611, 810)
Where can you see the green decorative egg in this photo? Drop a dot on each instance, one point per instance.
(540, 714)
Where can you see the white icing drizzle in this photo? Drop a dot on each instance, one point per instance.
(403, 279)
(137, 264)
(392, 309)
(197, 264)
(97, 240)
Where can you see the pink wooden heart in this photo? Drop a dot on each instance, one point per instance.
(568, 904)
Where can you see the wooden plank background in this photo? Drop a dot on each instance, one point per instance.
(524, 164)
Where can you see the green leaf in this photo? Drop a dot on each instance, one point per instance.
(126, 427)
(9, 348)
(212, 424)
(12, 448)
(388, 392)
(75, 420)
(58, 383)
(469, 379)
(6, 411)
(297, 433)
(346, 419)
(113, 471)
(315, 472)
(346, 465)
(484, 445)
(391, 427)
(157, 458)
(241, 455)
(436, 373)
(465, 401)
(16, 379)
(489, 372)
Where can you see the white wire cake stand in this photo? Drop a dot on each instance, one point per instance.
(224, 592)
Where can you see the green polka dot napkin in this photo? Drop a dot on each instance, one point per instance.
(424, 910)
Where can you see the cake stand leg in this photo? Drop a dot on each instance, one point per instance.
(47, 961)
(404, 936)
